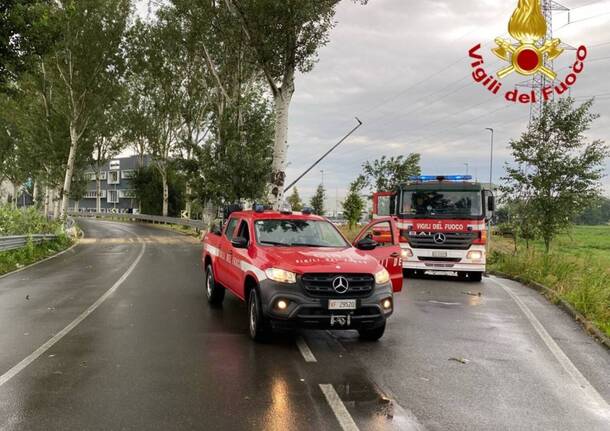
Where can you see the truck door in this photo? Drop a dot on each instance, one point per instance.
(225, 261)
(385, 232)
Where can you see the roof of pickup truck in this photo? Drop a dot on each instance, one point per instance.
(266, 215)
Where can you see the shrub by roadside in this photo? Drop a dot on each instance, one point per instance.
(585, 284)
(28, 222)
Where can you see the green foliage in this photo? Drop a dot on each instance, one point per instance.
(386, 174)
(557, 170)
(25, 222)
(148, 188)
(295, 200)
(582, 282)
(317, 201)
(597, 213)
(15, 259)
(27, 30)
(353, 204)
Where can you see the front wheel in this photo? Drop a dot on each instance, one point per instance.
(257, 324)
(373, 334)
(214, 292)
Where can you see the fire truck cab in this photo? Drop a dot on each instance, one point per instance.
(442, 223)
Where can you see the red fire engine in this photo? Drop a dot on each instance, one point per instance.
(442, 223)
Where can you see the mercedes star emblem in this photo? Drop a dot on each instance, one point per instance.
(440, 238)
(340, 284)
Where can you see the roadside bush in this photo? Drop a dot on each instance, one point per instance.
(25, 221)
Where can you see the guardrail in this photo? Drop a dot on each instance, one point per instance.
(14, 242)
(196, 224)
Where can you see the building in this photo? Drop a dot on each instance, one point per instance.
(117, 192)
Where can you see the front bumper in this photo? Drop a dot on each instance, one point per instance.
(423, 259)
(307, 311)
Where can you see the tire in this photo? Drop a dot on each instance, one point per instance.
(475, 276)
(214, 291)
(372, 334)
(258, 327)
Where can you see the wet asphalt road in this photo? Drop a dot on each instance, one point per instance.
(153, 356)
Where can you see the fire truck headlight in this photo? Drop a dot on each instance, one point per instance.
(382, 277)
(281, 275)
(406, 253)
(475, 255)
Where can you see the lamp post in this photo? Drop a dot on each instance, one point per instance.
(491, 170)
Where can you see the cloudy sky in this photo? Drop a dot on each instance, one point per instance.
(403, 68)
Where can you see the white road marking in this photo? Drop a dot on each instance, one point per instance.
(46, 346)
(339, 409)
(305, 350)
(561, 357)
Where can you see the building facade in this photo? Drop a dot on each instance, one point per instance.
(117, 192)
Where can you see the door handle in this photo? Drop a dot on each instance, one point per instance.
(395, 254)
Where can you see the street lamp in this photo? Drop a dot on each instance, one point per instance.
(491, 170)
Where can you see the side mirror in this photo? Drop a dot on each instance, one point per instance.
(215, 229)
(239, 242)
(491, 203)
(366, 244)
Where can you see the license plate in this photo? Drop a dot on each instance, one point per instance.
(439, 254)
(341, 304)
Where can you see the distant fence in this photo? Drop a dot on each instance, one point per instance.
(196, 224)
(14, 242)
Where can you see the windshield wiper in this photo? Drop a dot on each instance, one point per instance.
(304, 244)
(275, 243)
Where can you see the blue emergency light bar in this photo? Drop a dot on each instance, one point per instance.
(423, 178)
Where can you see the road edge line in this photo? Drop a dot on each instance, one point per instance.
(332, 397)
(16, 369)
(305, 350)
(580, 380)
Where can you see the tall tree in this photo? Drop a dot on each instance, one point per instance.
(295, 200)
(88, 65)
(387, 173)
(353, 204)
(285, 37)
(556, 166)
(26, 32)
(317, 201)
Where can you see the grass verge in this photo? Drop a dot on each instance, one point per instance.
(31, 253)
(579, 278)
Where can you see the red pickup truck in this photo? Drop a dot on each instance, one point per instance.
(297, 269)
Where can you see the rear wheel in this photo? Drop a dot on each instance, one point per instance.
(214, 292)
(257, 324)
(475, 276)
(372, 334)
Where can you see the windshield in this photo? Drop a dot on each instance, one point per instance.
(435, 203)
(298, 233)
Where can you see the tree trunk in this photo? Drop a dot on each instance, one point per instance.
(165, 193)
(46, 201)
(69, 171)
(281, 101)
(35, 194)
(15, 194)
(98, 192)
(189, 203)
(76, 203)
(56, 203)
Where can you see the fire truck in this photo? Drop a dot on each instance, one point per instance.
(442, 223)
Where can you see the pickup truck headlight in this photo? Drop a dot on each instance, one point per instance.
(474, 255)
(382, 276)
(281, 275)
